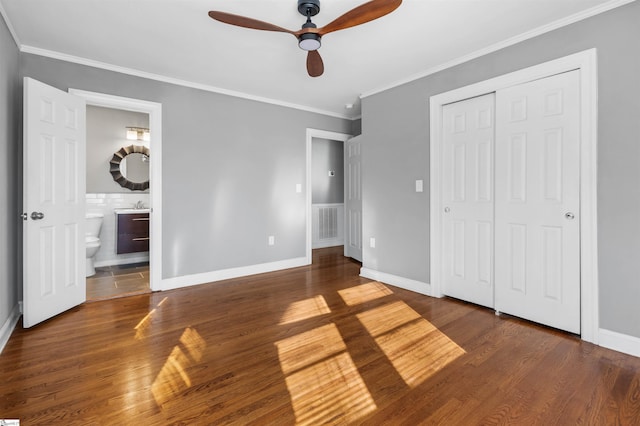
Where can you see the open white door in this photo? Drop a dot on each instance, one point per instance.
(353, 195)
(54, 202)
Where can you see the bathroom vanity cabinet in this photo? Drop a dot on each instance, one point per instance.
(132, 232)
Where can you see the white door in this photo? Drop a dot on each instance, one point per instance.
(537, 217)
(353, 195)
(54, 202)
(467, 197)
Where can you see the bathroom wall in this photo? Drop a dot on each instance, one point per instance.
(106, 204)
(106, 131)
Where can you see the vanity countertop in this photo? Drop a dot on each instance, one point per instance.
(130, 211)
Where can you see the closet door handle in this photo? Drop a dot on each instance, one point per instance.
(569, 216)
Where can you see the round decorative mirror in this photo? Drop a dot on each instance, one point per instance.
(130, 167)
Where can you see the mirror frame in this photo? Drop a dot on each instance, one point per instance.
(114, 167)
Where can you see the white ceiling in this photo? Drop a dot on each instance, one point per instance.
(175, 40)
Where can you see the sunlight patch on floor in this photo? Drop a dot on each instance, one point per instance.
(144, 324)
(174, 378)
(364, 293)
(414, 346)
(322, 379)
(305, 309)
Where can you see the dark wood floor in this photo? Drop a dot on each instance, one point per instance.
(309, 345)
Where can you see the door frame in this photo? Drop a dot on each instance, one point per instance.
(586, 63)
(154, 110)
(323, 134)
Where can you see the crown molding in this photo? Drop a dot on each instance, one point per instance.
(157, 77)
(3, 12)
(503, 44)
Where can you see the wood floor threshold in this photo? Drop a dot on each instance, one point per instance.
(311, 345)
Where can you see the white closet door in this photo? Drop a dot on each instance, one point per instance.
(467, 191)
(537, 175)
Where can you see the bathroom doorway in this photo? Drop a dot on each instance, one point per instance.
(119, 132)
(119, 151)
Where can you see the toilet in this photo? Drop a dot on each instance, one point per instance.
(91, 239)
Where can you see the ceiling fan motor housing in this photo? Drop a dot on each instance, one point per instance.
(309, 7)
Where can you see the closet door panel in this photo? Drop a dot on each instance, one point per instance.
(537, 218)
(467, 192)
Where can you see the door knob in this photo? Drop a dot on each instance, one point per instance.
(37, 215)
(447, 209)
(569, 215)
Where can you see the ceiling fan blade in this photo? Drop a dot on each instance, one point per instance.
(242, 21)
(364, 13)
(315, 66)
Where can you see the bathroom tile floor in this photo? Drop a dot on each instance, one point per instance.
(114, 281)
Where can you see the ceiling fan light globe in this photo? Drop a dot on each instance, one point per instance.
(309, 42)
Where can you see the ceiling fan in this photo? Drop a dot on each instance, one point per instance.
(309, 35)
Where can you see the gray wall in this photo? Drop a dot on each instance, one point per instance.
(356, 127)
(106, 135)
(230, 168)
(327, 155)
(396, 128)
(10, 173)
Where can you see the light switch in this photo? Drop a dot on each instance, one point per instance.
(419, 185)
(298, 188)
(372, 242)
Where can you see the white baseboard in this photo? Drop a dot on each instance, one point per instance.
(619, 342)
(225, 274)
(405, 283)
(8, 326)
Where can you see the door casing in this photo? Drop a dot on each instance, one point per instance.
(586, 63)
(154, 110)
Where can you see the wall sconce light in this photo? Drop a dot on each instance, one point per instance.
(138, 134)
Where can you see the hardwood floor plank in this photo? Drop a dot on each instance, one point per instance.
(310, 345)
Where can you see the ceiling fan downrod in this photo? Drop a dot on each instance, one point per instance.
(311, 40)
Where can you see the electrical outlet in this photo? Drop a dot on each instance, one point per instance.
(419, 185)
(272, 240)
